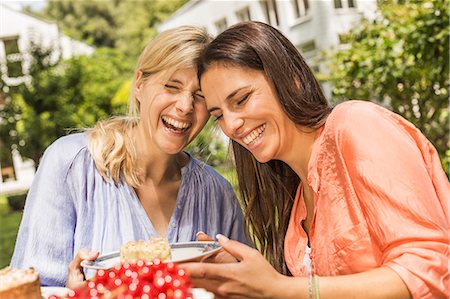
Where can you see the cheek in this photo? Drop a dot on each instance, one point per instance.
(202, 113)
(224, 128)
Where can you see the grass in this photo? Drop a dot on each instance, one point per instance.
(9, 226)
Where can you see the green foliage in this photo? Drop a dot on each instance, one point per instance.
(124, 25)
(91, 21)
(401, 60)
(120, 100)
(9, 226)
(61, 95)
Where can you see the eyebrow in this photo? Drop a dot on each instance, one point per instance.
(228, 98)
(175, 81)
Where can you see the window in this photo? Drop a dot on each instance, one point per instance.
(344, 3)
(243, 14)
(308, 49)
(13, 57)
(301, 8)
(271, 11)
(221, 25)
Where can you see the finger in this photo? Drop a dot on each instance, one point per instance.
(82, 254)
(201, 236)
(75, 263)
(208, 270)
(221, 256)
(235, 248)
(209, 284)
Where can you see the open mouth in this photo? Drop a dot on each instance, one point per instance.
(254, 135)
(175, 125)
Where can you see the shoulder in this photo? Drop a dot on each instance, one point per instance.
(68, 146)
(62, 152)
(353, 113)
(360, 119)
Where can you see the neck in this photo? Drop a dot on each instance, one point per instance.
(155, 165)
(300, 154)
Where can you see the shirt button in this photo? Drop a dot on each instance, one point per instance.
(179, 206)
(173, 225)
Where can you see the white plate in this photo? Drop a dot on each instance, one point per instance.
(60, 291)
(181, 252)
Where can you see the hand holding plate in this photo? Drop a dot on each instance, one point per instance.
(75, 277)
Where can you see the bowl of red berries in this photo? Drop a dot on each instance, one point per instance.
(143, 280)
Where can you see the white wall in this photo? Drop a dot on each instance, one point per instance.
(323, 24)
(31, 29)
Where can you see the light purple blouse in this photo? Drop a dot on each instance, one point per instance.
(70, 206)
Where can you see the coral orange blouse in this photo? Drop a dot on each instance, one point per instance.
(380, 199)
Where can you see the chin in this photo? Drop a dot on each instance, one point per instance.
(173, 150)
(262, 159)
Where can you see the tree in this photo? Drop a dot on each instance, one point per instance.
(124, 25)
(60, 96)
(401, 59)
(91, 21)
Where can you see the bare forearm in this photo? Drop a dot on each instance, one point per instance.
(378, 283)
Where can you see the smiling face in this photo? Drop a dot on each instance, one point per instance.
(172, 111)
(247, 109)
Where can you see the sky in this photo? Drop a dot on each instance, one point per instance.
(36, 5)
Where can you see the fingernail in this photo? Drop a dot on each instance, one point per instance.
(199, 233)
(221, 238)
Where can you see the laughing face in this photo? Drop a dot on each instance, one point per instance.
(172, 111)
(246, 106)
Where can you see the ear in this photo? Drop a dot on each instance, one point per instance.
(138, 85)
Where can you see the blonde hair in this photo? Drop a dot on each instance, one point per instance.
(109, 141)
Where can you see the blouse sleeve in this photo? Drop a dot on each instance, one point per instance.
(45, 238)
(403, 194)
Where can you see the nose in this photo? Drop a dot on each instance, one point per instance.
(185, 103)
(232, 124)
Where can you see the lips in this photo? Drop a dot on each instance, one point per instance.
(176, 125)
(254, 135)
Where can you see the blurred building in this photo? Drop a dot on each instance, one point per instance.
(18, 31)
(311, 25)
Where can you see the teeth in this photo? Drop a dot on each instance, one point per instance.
(175, 123)
(254, 135)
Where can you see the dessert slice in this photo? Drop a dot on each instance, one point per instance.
(145, 250)
(19, 284)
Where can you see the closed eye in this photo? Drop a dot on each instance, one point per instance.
(242, 100)
(198, 97)
(171, 88)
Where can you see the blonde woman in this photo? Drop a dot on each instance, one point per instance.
(128, 178)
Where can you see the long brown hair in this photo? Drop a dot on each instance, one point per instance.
(268, 189)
